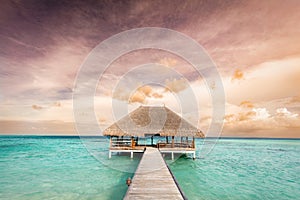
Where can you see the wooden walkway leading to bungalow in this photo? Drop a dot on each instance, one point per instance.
(152, 179)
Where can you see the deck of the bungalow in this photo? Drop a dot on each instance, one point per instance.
(129, 145)
(153, 179)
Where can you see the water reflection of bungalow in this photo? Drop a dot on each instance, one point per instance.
(155, 126)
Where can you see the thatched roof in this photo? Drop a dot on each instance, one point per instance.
(164, 122)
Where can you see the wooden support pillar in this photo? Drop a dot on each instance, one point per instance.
(181, 142)
(193, 145)
(172, 155)
(132, 143)
(110, 141)
(131, 154)
(172, 141)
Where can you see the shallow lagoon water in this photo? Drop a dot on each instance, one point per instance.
(243, 169)
(34, 167)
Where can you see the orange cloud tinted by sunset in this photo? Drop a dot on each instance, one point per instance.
(142, 93)
(238, 74)
(138, 97)
(246, 104)
(146, 90)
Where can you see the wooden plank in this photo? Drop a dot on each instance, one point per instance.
(152, 179)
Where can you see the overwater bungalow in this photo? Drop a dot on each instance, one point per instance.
(167, 131)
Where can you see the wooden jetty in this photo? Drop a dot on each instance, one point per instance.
(157, 129)
(153, 179)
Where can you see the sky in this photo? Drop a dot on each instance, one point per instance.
(255, 46)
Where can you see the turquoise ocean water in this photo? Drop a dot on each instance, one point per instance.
(33, 167)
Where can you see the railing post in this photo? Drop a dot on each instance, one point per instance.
(132, 142)
(172, 141)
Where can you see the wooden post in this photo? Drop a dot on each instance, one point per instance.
(193, 142)
(131, 154)
(172, 155)
(132, 143)
(151, 140)
(172, 141)
(181, 142)
(110, 141)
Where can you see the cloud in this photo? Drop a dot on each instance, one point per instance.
(36, 107)
(157, 95)
(261, 113)
(283, 112)
(229, 118)
(246, 104)
(257, 120)
(102, 120)
(261, 122)
(295, 99)
(247, 116)
(234, 118)
(168, 62)
(121, 94)
(146, 90)
(137, 97)
(256, 114)
(176, 85)
(57, 104)
(237, 75)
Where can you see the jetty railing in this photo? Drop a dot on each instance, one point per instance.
(118, 142)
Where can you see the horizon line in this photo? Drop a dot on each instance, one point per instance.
(224, 137)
